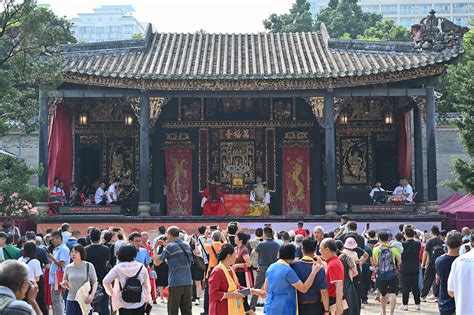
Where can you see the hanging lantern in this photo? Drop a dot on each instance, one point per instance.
(388, 119)
(83, 119)
(343, 118)
(128, 120)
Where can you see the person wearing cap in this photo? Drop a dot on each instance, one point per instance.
(350, 261)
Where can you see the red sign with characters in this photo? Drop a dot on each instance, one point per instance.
(296, 180)
(179, 188)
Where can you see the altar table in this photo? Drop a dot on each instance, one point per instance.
(237, 204)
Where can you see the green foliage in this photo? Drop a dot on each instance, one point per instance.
(29, 41)
(297, 20)
(386, 30)
(457, 76)
(458, 96)
(16, 194)
(138, 36)
(346, 16)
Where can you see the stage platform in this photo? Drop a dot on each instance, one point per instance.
(279, 222)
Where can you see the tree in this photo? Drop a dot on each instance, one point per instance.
(455, 74)
(16, 194)
(299, 19)
(386, 30)
(458, 94)
(346, 16)
(29, 41)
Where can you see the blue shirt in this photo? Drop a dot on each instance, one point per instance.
(281, 296)
(71, 242)
(443, 268)
(303, 270)
(267, 252)
(179, 263)
(61, 253)
(143, 257)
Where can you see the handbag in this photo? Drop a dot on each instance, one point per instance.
(199, 262)
(99, 293)
(248, 277)
(58, 278)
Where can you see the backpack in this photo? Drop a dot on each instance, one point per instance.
(437, 251)
(5, 301)
(132, 290)
(386, 267)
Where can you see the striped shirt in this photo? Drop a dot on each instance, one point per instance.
(178, 256)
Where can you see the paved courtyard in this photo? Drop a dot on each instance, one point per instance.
(373, 308)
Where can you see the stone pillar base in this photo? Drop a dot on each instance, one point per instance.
(43, 207)
(421, 208)
(330, 207)
(144, 209)
(432, 207)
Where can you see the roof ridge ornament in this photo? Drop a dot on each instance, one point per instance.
(437, 33)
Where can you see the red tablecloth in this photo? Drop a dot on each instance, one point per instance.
(237, 204)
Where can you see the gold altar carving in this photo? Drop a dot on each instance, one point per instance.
(237, 153)
(257, 84)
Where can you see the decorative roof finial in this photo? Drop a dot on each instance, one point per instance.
(430, 35)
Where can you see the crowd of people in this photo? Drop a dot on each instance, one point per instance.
(230, 272)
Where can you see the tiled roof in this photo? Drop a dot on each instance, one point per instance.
(245, 56)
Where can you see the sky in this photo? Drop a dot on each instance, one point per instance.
(214, 16)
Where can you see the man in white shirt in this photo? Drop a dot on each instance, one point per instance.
(378, 187)
(100, 197)
(404, 191)
(460, 283)
(112, 192)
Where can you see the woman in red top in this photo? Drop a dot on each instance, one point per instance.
(224, 296)
(242, 263)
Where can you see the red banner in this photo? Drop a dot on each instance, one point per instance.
(296, 180)
(179, 190)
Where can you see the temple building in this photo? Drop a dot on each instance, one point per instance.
(318, 119)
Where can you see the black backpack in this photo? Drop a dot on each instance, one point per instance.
(132, 290)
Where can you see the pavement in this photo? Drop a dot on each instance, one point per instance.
(373, 308)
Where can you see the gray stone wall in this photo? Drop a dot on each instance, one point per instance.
(24, 146)
(448, 146)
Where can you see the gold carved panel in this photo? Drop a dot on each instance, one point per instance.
(354, 160)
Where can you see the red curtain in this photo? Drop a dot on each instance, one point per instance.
(296, 180)
(60, 147)
(404, 144)
(179, 189)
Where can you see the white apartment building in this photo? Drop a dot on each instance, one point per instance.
(107, 23)
(409, 12)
